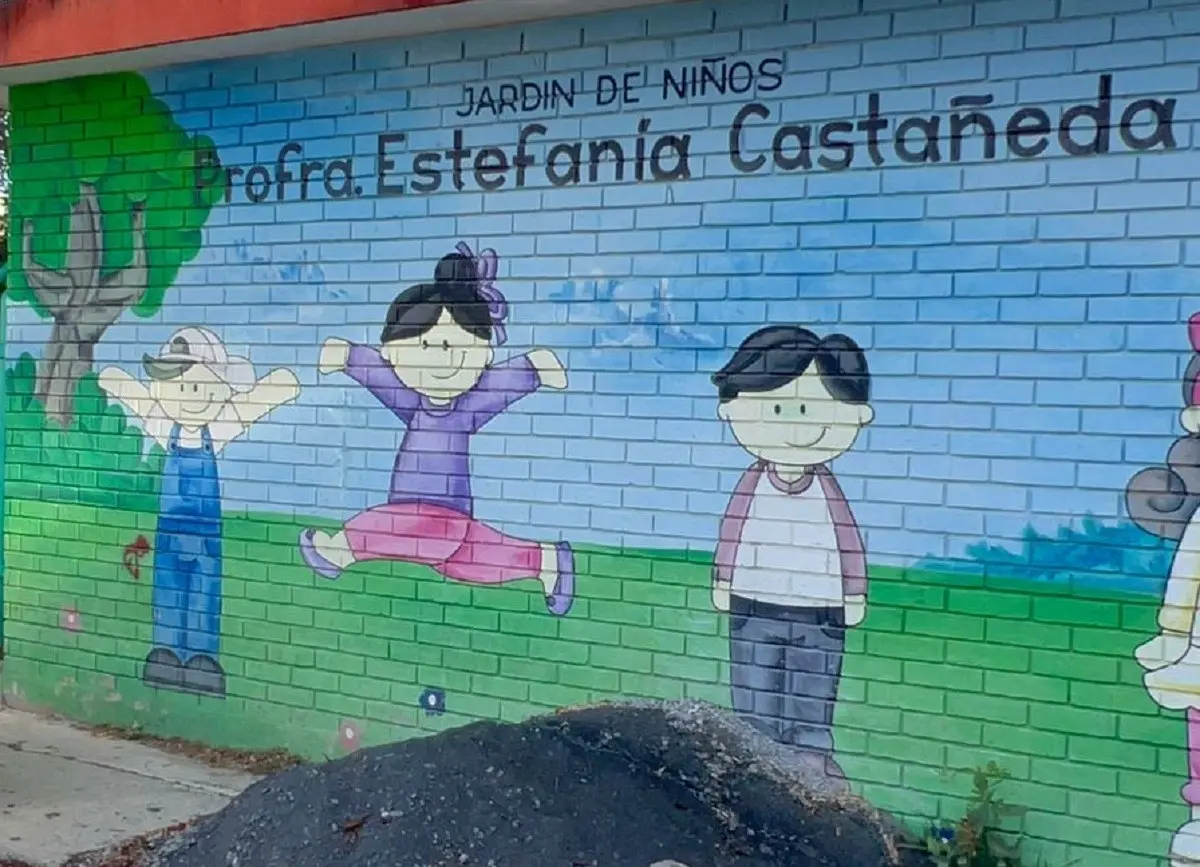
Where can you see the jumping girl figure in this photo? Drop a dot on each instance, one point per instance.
(434, 370)
(1165, 501)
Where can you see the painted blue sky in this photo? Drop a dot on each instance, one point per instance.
(1023, 320)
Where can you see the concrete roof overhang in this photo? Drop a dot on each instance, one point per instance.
(45, 40)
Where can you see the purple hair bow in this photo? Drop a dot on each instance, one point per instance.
(487, 264)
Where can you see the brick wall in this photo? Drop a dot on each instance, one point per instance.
(1023, 319)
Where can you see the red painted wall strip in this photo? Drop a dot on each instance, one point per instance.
(40, 31)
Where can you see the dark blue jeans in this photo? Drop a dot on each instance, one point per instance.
(785, 667)
(187, 592)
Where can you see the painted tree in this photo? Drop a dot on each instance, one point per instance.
(107, 211)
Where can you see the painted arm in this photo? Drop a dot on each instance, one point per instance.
(127, 391)
(851, 551)
(730, 535)
(849, 539)
(505, 383)
(370, 369)
(278, 387)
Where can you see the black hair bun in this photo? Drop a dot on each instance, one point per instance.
(457, 269)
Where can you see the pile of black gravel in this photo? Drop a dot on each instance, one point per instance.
(611, 786)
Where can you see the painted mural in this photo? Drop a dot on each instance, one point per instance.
(197, 399)
(435, 371)
(789, 568)
(1162, 500)
(826, 369)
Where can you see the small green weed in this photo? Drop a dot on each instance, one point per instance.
(979, 838)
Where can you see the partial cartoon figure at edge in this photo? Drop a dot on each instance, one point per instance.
(1163, 501)
(198, 400)
(790, 566)
(435, 371)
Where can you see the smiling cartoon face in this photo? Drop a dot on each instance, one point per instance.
(193, 398)
(443, 363)
(799, 424)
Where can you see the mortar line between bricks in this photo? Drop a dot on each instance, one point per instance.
(192, 786)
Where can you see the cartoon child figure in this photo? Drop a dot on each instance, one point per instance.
(198, 400)
(1163, 501)
(790, 566)
(436, 372)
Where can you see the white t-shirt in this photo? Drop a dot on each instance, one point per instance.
(788, 554)
(224, 429)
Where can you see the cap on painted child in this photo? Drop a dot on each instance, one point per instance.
(193, 377)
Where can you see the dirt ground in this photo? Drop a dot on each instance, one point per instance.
(611, 786)
(137, 852)
(258, 762)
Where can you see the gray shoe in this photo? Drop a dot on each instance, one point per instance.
(163, 669)
(204, 674)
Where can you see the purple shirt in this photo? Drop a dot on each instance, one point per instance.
(434, 462)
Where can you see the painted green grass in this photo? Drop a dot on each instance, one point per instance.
(948, 672)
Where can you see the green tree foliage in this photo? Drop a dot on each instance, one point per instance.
(105, 211)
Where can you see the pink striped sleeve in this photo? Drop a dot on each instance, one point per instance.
(849, 539)
(735, 519)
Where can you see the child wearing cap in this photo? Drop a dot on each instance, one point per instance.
(199, 399)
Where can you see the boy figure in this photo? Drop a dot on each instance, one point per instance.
(790, 567)
(199, 399)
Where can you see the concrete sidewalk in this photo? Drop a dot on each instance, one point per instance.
(63, 790)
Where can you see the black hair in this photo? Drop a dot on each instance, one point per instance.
(1162, 499)
(778, 354)
(455, 289)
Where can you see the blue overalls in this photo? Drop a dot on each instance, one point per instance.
(187, 551)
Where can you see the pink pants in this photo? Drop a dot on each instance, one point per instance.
(1191, 792)
(455, 545)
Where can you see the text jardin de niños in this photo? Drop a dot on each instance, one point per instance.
(646, 154)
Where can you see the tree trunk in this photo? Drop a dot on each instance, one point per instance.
(82, 300)
(68, 356)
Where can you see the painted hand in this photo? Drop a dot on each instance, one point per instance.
(720, 594)
(856, 610)
(278, 387)
(112, 379)
(1189, 419)
(335, 353)
(285, 385)
(549, 369)
(1162, 650)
